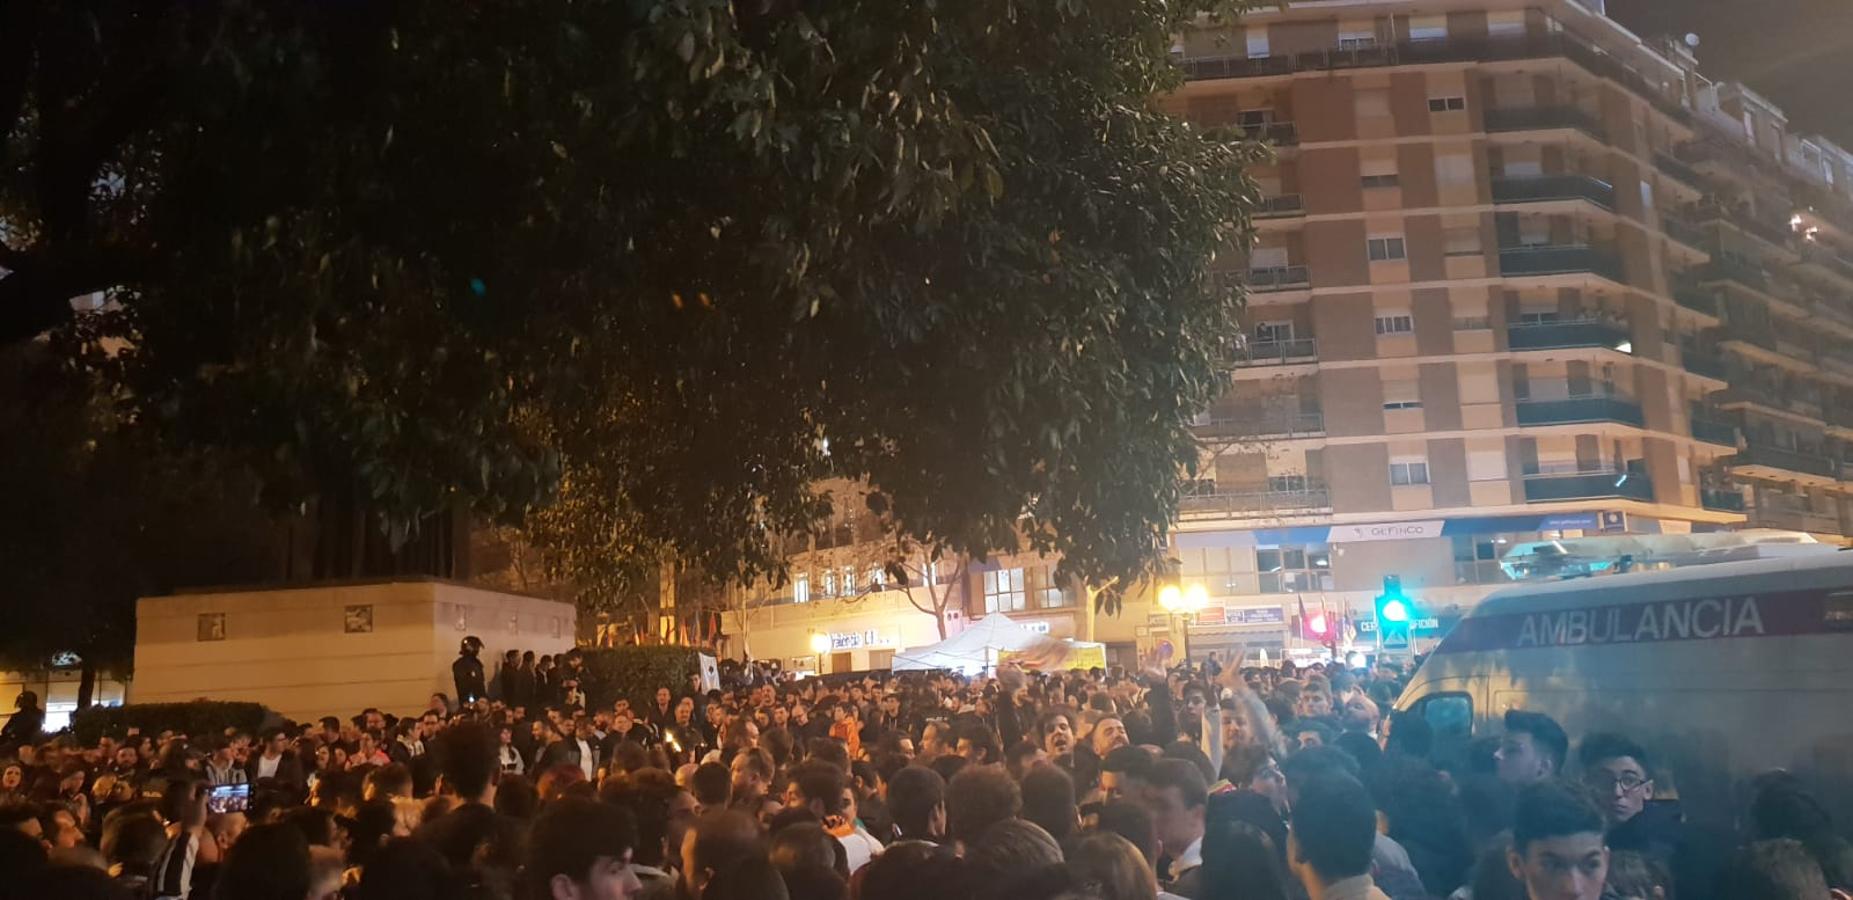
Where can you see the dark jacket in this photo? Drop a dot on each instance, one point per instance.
(1693, 854)
(467, 672)
(289, 769)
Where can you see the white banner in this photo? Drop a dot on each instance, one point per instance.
(1387, 531)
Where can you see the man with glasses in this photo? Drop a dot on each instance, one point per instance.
(1615, 769)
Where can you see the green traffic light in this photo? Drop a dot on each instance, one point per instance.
(1394, 610)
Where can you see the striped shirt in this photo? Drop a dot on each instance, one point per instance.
(173, 876)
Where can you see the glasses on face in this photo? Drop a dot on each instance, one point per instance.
(1626, 783)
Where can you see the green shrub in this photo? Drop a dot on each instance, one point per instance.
(194, 719)
(636, 673)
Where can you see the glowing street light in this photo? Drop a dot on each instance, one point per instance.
(820, 642)
(1184, 602)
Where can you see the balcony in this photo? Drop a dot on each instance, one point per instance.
(1588, 486)
(1722, 499)
(1280, 206)
(1693, 297)
(1713, 431)
(1261, 424)
(1537, 188)
(1779, 460)
(1255, 504)
(1779, 397)
(1578, 410)
(1683, 231)
(1679, 171)
(1277, 353)
(1558, 260)
(1790, 518)
(1731, 267)
(1539, 118)
(1494, 49)
(1826, 259)
(1566, 333)
(1283, 278)
(1775, 234)
(1278, 133)
(1705, 363)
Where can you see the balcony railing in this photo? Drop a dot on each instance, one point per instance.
(1262, 424)
(1281, 205)
(1542, 117)
(1714, 431)
(1794, 519)
(1731, 267)
(1566, 333)
(1558, 260)
(1261, 503)
(1284, 278)
(1827, 259)
(1277, 353)
(1693, 297)
(1742, 219)
(1577, 410)
(1724, 499)
(1764, 455)
(1679, 171)
(1703, 362)
(1438, 51)
(1534, 188)
(1283, 133)
(1588, 486)
(1685, 232)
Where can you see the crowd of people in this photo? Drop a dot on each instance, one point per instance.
(1206, 783)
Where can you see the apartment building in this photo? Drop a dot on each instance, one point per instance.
(1520, 275)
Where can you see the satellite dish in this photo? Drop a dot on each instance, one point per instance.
(1692, 40)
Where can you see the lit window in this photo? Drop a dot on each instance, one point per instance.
(878, 578)
(1396, 323)
(1428, 28)
(1004, 592)
(1290, 569)
(849, 581)
(830, 583)
(801, 589)
(1409, 472)
(1386, 248)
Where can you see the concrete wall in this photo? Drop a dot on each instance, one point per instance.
(290, 648)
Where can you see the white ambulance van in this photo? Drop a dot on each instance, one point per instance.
(1720, 671)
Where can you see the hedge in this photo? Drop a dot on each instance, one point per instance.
(636, 673)
(194, 719)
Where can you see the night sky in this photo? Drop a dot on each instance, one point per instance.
(1798, 53)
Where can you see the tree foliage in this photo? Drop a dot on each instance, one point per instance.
(671, 262)
(97, 518)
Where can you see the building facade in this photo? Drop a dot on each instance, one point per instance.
(1520, 275)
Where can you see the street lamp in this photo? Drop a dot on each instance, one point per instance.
(1185, 602)
(820, 643)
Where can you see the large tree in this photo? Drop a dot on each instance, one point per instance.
(678, 260)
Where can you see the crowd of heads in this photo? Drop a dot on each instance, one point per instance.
(1198, 782)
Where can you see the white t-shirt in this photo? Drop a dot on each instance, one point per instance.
(860, 847)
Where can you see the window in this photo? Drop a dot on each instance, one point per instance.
(830, 583)
(1258, 42)
(1287, 484)
(1003, 591)
(1454, 168)
(1428, 28)
(1386, 248)
(1539, 318)
(849, 581)
(1401, 394)
(1291, 569)
(1449, 716)
(1446, 104)
(1049, 593)
(1273, 332)
(1462, 241)
(1505, 23)
(1395, 323)
(1379, 181)
(1409, 472)
(877, 578)
(801, 589)
(1356, 35)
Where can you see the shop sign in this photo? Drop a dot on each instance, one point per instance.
(857, 640)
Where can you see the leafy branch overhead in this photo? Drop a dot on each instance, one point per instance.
(670, 262)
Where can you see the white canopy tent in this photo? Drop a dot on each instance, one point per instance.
(970, 650)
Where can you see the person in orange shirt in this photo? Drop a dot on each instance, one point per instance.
(846, 726)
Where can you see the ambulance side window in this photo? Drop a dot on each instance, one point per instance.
(1449, 716)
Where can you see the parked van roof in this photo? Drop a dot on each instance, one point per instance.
(1809, 569)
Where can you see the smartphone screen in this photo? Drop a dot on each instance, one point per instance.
(228, 798)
